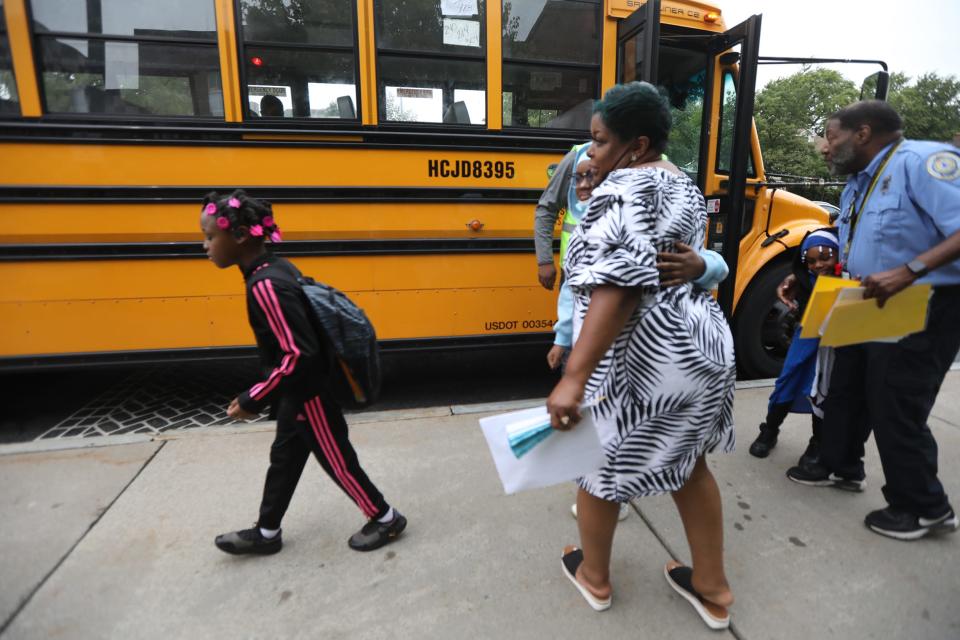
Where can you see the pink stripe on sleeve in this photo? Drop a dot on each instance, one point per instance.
(262, 293)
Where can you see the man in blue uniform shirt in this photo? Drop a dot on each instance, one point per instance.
(899, 224)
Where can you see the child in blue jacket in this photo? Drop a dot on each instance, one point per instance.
(794, 387)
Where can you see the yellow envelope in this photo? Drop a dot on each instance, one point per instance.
(856, 321)
(822, 297)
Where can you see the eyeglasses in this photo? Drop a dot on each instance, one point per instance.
(824, 253)
(581, 177)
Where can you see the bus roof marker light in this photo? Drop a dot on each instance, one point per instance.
(711, 17)
(256, 61)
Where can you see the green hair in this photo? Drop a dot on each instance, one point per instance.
(636, 109)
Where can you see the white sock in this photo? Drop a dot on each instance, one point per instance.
(387, 517)
(269, 533)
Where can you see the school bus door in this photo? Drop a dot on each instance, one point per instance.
(726, 221)
(638, 43)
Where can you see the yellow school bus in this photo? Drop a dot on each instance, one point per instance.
(404, 144)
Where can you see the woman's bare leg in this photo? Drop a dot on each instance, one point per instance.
(597, 521)
(700, 509)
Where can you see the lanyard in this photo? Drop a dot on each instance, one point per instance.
(856, 211)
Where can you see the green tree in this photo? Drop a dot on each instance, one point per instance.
(791, 114)
(930, 106)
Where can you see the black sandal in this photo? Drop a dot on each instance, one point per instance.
(681, 579)
(570, 561)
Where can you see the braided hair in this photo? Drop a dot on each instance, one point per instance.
(240, 210)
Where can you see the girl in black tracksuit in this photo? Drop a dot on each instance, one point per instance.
(296, 363)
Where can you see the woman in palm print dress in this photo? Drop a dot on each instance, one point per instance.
(657, 362)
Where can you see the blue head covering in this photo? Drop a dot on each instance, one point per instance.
(573, 202)
(819, 239)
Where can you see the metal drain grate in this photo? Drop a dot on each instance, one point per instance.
(168, 398)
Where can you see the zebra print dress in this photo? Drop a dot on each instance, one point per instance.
(664, 389)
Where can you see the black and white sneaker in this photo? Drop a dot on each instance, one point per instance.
(906, 526)
(814, 475)
(848, 484)
(249, 541)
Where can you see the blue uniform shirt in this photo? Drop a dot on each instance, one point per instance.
(914, 206)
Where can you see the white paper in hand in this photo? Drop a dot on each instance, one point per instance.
(564, 456)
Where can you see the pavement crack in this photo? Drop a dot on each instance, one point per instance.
(23, 603)
(945, 421)
(734, 631)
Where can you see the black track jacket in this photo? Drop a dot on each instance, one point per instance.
(294, 360)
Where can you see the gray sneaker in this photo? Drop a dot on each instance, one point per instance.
(249, 541)
(375, 534)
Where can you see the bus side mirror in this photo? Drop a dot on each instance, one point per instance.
(875, 87)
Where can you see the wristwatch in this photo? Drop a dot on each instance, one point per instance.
(918, 268)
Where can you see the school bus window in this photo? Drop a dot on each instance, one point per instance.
(537, 33)
(129, 57)
(9, 103)
(308, 84)
(313, 22)
(728, 116)
(299, 58)
(431, 61)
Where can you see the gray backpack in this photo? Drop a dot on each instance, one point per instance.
(356, 375)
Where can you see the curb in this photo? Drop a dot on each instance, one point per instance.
(369, 417)
(63, 444)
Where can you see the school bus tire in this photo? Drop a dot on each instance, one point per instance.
(763, 325)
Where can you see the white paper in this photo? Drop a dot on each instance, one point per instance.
(462, 33)
(562, 457)
(121, 66)
(458, 7)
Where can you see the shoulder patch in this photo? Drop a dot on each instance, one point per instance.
(944, 165)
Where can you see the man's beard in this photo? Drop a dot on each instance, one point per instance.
(842, 160)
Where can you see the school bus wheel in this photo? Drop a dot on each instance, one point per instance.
(763, 326)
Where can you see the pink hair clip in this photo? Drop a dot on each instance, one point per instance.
(210, 209)
(275, 236)
(256, 230)
(223, 223)
(268, 221)
(233, 202)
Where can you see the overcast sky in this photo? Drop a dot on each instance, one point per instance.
(913, 38)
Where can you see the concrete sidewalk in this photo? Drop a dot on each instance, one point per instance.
(117, 542)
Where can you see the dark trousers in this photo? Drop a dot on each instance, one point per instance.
(319, 427)
(777, 413)
(891, 389)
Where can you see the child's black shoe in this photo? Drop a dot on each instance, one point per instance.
(765, 442)
(375, 534)
(249, 541)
